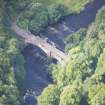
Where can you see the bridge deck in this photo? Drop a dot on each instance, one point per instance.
(49, 49)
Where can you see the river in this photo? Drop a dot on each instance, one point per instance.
(37, 77)
(73, 23)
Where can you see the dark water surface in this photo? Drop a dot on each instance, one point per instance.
(37, 77)
(74, 22)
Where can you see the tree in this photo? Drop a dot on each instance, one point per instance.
(74, 39)
(13, 46)
(97, 94)
(9, 49)
(100, 19)
(50, 96)
(78, 68)
(20, 73)
(10, 96)
(4, 60)
(101, 64)
(92, 47)
(56, 12)
(38, 21)
(100, 23)
(71, 95)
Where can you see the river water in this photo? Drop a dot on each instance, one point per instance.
(37, 77)
(73, 23)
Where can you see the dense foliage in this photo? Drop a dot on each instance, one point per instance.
(37, 15)
(74, 39)
(11, 67)
(82, 80)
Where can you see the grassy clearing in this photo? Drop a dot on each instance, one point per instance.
(74, 6)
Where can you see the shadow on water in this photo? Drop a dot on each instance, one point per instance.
(85, 17)
(37, 77)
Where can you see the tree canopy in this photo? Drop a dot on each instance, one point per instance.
(82, 79)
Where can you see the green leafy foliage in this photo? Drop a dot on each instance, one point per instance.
(41, 17)
(11, 89)
(56, 12)
(38, 14)
(50, 96)
(97, 94)
(71, 95)
(74, 6)
(82, 79)
(74, 39)
(38, 21)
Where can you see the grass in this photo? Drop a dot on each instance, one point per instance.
(75, 6)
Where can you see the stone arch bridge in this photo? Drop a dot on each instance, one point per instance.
(51, 50)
